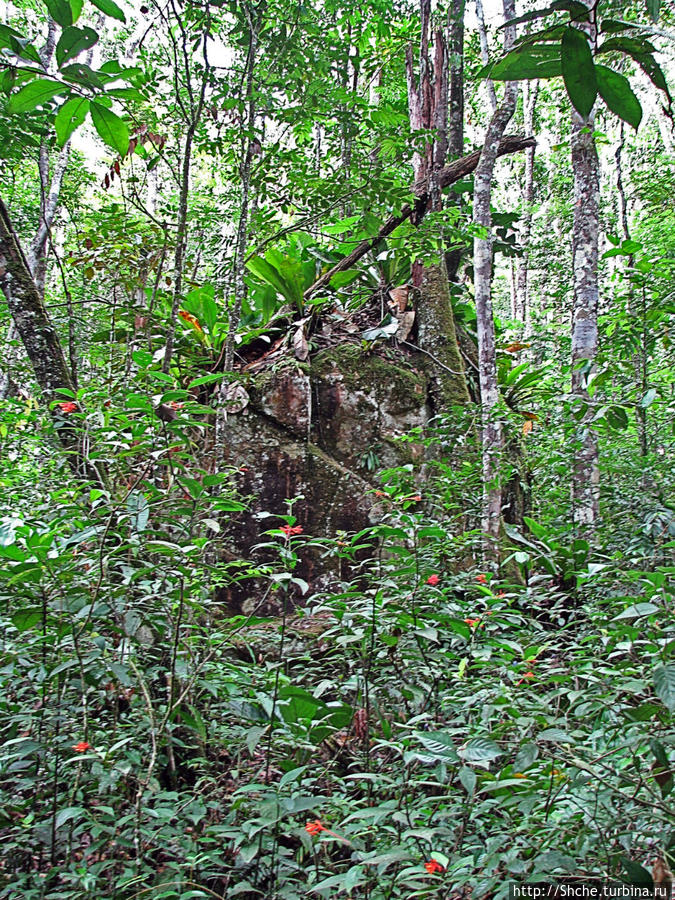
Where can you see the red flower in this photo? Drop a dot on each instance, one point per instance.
(314, 828)
(380, 494)
(67, 407)
(288, 530)
(82, 747)
(481, 579)
(472, 622)
(501, 594)
(433, 580)
(527, 675)
(433, 866)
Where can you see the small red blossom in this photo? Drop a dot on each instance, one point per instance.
(472, 622)
(526, 677)
(175, 405)
(501, 595)
(433, 580)
(417, 498)
(380, 494)
(433, 866)
(67, 407)
(288, 530)
(314, 828)
(82, 747)
(481, 579)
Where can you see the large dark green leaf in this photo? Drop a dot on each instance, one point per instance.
(531, 62)
(575, 8)
(60, 11)
(110, 8)
(35, 93)
(616, 91)
(578, 70)
(19, 45)
(111, 129)
(71, 115)
(73, 41)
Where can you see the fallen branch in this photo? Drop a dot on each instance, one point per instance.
(447, 176)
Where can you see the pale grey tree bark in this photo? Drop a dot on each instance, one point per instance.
(586, 170)
(522, 306)
(492, 439)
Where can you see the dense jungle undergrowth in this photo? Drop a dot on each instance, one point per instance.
(421, 728)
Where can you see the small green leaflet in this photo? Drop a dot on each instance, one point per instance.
(35, 93)
(71, 115)
(664, 685)
(578, 70)
(110, 8)
(616, 91)
(73, 41)
(111, 129)
(653, 7)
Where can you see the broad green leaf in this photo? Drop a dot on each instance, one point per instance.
(617, 93)
(525, 756)
(35, 93)
(642, 52)
(480, 751)
(439, 744)
(468, 779)
(18, 44)
(26, 619)
(110, 8)
(65, 815)
(138, 507)
(73, 41)
(578, 70)
(540, 61)
(664, 684)
(636, 874)
(61, 12)
(648, 398)
(79, 73)
(71, 115)
(637, 610)
(112, 130)
(575, 8)
(554, 859)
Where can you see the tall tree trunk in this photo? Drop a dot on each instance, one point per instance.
(193, 112)
(640, 356)
(522, 307)
(40, 339)
(242, 226)
(485, 53)
(491, 430)
(456, 52)
(586, 169)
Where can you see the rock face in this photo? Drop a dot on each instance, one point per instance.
(319, 431)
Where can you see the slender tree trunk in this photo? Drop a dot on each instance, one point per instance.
(456, 52)
(485, 53)
(586, 169)
(640, 356)
(242, 226)
(491, 430)
(193, 116)
(40, 339)
(522, 306)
